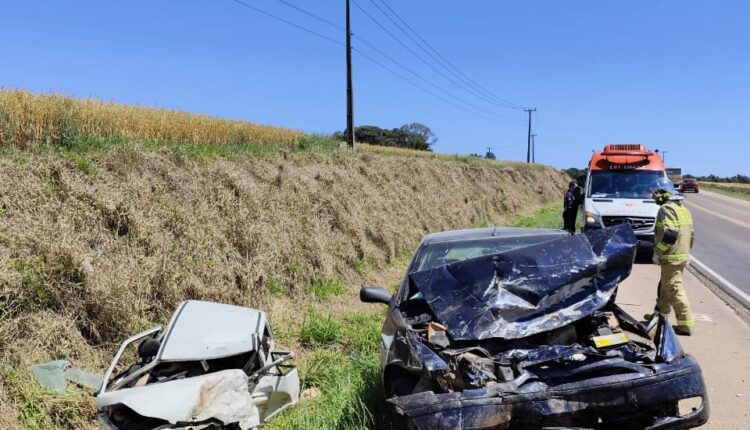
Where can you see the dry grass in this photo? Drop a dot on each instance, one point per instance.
(86, 259)
(466, 159)
(28, 121)
(726, 185)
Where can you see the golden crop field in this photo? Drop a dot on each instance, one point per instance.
(29, 120)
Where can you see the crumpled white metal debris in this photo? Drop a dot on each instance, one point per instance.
(222, 396)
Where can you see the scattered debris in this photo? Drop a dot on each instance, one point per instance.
(311, 393)
(54, 375)
(213, 366)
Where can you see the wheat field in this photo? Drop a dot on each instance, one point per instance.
(30, 120)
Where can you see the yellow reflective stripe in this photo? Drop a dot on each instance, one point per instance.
(661, 246)
(675, 224)
(675, 257)
(686, 323)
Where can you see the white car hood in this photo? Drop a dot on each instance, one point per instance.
(220, 395)
(622, 207)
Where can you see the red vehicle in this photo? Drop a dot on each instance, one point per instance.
(689, 185)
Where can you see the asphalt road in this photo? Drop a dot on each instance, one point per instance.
(721, 343)
(722, 230)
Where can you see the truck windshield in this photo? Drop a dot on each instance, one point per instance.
(629, 184)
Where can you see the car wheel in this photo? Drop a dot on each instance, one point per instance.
(696, 191)
(394, 420)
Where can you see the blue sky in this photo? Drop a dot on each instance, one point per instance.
(673, 75)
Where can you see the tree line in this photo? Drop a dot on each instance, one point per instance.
(413, 136)
(736, 179)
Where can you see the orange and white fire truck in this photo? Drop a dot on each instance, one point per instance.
(618, 190)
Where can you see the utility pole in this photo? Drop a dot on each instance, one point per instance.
(533, 148)
(528, 145)
(664, 157)
(349, 95)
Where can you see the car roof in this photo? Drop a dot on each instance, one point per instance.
(488, 232)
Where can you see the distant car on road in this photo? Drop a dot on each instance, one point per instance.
(501, 328)
(689, 185)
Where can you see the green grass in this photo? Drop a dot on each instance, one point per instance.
(275, 288)
(78, 149)
(42, 409)
(324, 289)
(549, 216)
(736, 192)
(345, 368)
(320, 330)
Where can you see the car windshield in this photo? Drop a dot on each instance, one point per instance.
(442, 253)
(631, 184)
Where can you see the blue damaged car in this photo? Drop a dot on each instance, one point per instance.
(505, 328)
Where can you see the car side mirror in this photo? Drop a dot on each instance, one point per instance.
(374, 294)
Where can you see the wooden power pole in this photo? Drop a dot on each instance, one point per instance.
(528, 144)
(349, 94)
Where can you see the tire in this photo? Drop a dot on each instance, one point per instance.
(696, 191)
(394, 420)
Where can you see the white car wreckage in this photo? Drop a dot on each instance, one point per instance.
(213, 367)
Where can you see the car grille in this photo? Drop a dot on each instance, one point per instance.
(638, 223)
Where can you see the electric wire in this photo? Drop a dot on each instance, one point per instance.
(463, 85)
(409, 81)
(312, 15)
(415, 54)
(297, 26)
(476, 110)
(394, 61)
(459, 73)
(433, 85)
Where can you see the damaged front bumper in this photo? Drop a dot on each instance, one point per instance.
(616, 401)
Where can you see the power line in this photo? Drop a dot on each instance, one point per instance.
(409, 81)
(396, 62)
(482, 113)
(280, 19)
(451, 65)
(432, 84)
(312, 15)
(465, 86)
(398, 40)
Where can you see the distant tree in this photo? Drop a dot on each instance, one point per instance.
(418, 136)
(413, 136)
(474, 154)
(490, 155)
(576, 173)
(736, 179)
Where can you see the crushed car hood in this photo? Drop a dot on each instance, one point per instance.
(529, 290)
(221, 396)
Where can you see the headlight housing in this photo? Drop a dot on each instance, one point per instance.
(591, 218)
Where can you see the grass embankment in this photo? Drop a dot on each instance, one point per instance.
(739, 191)
(103, 236)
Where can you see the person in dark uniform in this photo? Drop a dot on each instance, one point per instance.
(570, 206)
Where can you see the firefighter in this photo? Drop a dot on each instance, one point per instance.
(674, 237)
(570, 206)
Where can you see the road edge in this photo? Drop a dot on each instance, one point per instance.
(727, 287)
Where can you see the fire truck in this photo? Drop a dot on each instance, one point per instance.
(618, 190)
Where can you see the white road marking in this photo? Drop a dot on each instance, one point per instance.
(722, 216)
(732, 289)
(702, 317)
